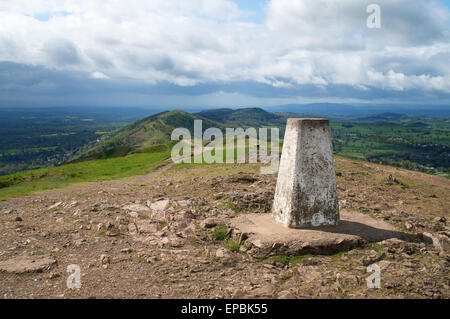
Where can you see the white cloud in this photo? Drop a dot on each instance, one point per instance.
(302, 42)
(99, 75)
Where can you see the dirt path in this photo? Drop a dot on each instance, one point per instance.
(86, 188)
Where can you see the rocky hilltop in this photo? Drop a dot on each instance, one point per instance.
(170, 234)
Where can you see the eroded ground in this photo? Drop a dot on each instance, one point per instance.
(167, 235)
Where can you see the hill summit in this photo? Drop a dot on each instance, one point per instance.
(244, 117)
(141, 135)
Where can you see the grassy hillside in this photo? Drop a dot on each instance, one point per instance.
(93, 170)
(40, 137)
(139, 135)
(28, 182)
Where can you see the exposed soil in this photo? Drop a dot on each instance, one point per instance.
(161, 236)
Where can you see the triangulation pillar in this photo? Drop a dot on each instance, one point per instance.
(306, 194)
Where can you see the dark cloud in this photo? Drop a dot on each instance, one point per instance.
(62, 52)
(26, 85)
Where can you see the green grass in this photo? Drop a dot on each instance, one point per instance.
(338, 255)
(221, 232)
(376, 247)
(290, 261)
(30, 182)
(233, 207)
(232, 245)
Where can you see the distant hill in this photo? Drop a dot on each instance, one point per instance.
(154, 130)
(411, 120)
(359, 110)
(141, 135)
(387, 116)
(255, 117)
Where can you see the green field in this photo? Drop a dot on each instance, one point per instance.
(29, 182)
(405, 142)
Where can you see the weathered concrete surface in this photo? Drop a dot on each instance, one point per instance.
(24, 263)
(268, 238)
(306, 193)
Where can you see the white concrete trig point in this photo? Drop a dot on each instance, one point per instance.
(306, 193)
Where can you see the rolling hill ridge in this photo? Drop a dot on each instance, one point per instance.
(141, 136)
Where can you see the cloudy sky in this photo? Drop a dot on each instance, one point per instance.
(214, 53)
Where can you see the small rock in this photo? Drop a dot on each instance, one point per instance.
(72, 204)
(431, 239)
(222, 253)
(179, 226)
(96, 207)
(132, 229)
(161, 233)
(262, 292)
(136, 208)
(395, 245)
(105, 259)
(257, 243)
(408, 226)
(409, 264)
(120, 221)
(444, 243)
(134, 214)
(23, 264)
(18, 219)
(183, 203)
(209, 223)
(112, 233)
(440, 219)
(54, 276)
(384, 264)
(185, 215)
(176, 242)
(151, 260)
(55, 205)
(79, 242)
(243, 249)
(147, 226)
(160, 205)
(286, 294)
(372, 258)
